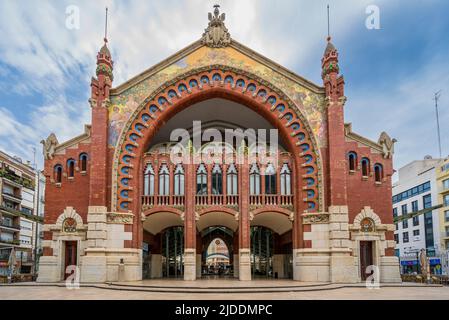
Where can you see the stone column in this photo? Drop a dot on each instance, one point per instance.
(190, 225)
(244, 224)
(343, 266)
(297, 226)
(235, 259)
(199, 251)
(94, 263)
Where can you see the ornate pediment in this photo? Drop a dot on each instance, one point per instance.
(216, 34)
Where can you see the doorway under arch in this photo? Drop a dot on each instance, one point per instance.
(173, 252)
(217, 252)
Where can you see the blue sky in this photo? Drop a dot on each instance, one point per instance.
(391, 73)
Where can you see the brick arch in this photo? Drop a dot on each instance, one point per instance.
(218, 209)
(158, 209)
(276, 209)
(200, 85)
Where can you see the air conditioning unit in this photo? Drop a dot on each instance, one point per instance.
(416, 238)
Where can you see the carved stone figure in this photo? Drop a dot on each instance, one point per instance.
(49, 146)
(216, 34)
(423, 262)
(387, 145)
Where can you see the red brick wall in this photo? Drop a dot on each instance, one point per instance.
(72, 192)
(363, 193)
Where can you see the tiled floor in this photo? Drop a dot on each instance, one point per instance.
(34, 291)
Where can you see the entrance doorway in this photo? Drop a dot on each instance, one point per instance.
(366, 257)
(218, 258)
(217, 252)
(70, 257)
(173, 252)
(262, 246)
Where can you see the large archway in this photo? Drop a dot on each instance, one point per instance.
(200, 85)
(247, 91)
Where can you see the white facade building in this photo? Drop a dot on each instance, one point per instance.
(416, 190)
(20, 187)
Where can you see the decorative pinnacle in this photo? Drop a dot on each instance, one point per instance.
(106, 27)
(216, 34)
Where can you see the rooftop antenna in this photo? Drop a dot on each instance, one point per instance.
(106, 27)
(328, 24)
(34, 158)
(436, 97)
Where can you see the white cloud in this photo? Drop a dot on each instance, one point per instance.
(40, 56)
(406, 111)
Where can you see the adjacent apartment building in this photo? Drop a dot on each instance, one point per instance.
(415, 190)
(19, 218)
(443, 198)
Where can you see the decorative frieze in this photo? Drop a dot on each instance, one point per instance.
(120, 218)
(315, 218)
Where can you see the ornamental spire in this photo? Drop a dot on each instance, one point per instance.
(104, 58)
(332, 80)
(216, 34)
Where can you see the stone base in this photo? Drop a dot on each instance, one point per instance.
(343, 268)
(93, 269)
(105, 265)
(310, 266)
(244, 265)
(278, 266)
(198, 266)
(49, 270)
(236, 265)
(389, 270)
(156, 266)
(189, 264)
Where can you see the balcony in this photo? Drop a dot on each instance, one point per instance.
(14, 211)
(219, 183)
(15, 180)
(216, 200)
(4, 257)
(9, 225)
(171, 200)
(271, 200)
(14, 243)
(12, 197)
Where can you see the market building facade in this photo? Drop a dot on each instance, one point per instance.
(124, 202)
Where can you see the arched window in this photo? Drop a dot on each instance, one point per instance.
(270, 179)
(365, 167)
(254, 180)
(148, 183)
(286, 186)
(70, 168)
(58, 173)
(352, 159)
(179, 180)
(378, 172)
(201, 180)
(164, 180)
(232, 180)
(83, 162)
(217, 180)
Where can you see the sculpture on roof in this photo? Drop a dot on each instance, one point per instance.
(387, 145)
(49, 146)
(216, 34)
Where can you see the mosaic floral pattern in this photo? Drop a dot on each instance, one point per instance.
(309, 103)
